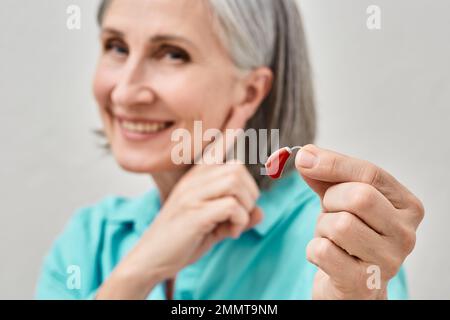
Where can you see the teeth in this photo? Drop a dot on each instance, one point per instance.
(141, 127)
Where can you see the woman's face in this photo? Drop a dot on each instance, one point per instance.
(162, 67)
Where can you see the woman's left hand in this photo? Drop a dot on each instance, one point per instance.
(367, 227)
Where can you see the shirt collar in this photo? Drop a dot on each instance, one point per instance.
(139, 211)
(275, 202)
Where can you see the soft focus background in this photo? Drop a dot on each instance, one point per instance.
(382, 95)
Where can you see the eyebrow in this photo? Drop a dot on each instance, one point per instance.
(154, 38)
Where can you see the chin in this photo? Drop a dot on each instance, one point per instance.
(143, 163)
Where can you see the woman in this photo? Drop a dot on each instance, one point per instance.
(224, 231)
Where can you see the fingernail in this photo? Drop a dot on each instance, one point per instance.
(306, 159)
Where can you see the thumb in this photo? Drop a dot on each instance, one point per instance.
(303, 158)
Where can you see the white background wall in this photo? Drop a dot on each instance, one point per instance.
(382, 95)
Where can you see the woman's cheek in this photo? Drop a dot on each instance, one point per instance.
(216, 100)
(206, 103)
(180, 92)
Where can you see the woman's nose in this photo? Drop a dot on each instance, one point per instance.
(132, 87)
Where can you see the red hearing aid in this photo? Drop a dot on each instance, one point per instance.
(277, 160)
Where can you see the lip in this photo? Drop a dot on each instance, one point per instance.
(141, 120)
(138, 136)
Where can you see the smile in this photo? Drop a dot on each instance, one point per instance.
(142, 129)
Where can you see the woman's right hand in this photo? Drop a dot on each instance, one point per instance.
(210, 203)
(207, 205)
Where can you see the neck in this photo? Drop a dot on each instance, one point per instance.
(166, 181)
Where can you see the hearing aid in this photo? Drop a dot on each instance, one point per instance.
(277, 160)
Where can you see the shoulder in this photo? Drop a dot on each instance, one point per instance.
(79, 245)
(87, 222)
(91, 218)
(86, 226)
(112, 210)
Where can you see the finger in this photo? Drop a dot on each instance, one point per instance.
(221, 232)
(228, 180)
(364, 201)
(233, 168)
(225, 141)
(226, 209)
(342, 268)
(240, 170)
(354, 237)
(224, 229)
(256, 216)
(229, 186)
(203, 176)
(331, 167)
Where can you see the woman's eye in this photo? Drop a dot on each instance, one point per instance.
(172, 53)
(116, 47)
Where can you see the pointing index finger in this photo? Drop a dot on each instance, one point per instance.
(225, 139)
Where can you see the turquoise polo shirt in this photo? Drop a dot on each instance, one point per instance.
(266, 262)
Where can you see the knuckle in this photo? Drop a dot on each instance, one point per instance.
(323, 249)
(410, 242)
(362, 197)
(232, 204)
(327, 198)
(344, 224)
(417, 208)
(407, 240)
(391, 267)
(372, 174)
(333, 165)
(311, 252)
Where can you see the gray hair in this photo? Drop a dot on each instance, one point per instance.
(270, 33)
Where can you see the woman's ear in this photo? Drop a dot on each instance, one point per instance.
(254, 89)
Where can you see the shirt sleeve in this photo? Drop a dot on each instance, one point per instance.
(69, 270)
